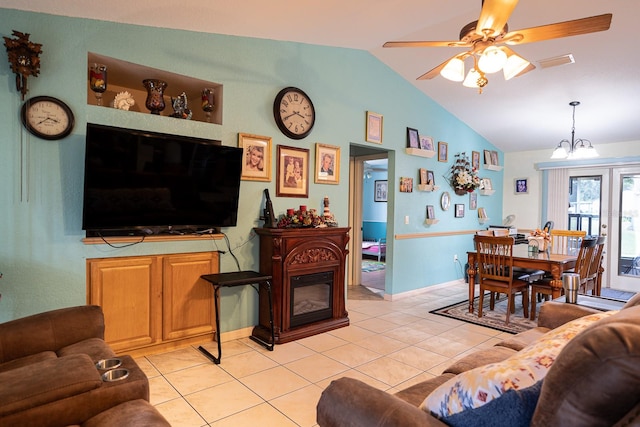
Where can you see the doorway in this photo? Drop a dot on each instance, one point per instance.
(368, 213)
(606, 201)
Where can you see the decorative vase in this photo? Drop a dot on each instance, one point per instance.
(98, 80)
(460, 191)
(155, 95)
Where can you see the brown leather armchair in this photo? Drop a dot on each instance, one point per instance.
(48, 374)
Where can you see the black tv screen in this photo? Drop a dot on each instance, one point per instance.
(140, 182)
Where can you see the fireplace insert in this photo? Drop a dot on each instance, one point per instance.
(311, 298)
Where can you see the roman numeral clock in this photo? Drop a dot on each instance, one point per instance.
(294, 113)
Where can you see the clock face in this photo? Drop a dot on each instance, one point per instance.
(47, 117)
(294, 113)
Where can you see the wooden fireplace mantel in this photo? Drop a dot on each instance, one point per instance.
(289, 252)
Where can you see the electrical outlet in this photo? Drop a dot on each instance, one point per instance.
(455, 258)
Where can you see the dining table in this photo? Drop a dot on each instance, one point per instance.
(554, 264)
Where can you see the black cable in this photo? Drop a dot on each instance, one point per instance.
(226, 239)
(123, 246)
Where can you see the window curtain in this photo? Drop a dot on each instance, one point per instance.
(558, 202)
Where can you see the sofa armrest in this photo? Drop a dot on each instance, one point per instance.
(45, 382)
(554, 314)
(50, 331)
(349, 402)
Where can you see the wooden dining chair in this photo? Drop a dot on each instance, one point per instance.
(583, 262)
(592, 282)
(566, 242)
(495, 273)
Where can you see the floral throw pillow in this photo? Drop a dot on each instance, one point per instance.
(481, 385)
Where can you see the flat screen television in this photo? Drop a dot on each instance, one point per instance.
(138, 183)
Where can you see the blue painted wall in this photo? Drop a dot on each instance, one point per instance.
(42, 258)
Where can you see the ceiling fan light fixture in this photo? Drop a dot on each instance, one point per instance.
(454, 70)
(514, 66)
(492, 60)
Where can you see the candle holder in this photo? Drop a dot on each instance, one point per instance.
(155, 95)
(208, 102)
(98, 80)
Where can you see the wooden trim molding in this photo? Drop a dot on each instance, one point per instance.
(149, 239)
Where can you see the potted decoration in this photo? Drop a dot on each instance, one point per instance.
(463, 177)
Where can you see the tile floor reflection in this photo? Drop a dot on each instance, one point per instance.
(390, 345)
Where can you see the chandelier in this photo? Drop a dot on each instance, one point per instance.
(577, 147)
(487, 59)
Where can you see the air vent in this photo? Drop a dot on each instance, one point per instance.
(556, 60)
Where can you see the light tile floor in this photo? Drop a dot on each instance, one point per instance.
(389, 344)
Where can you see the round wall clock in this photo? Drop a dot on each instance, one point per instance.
(294, 113)
(47, 117)
(445, 201)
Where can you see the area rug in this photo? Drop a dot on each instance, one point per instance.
(491, 319)
(370, 266)
(495, 319)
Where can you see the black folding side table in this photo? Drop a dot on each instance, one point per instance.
(238, 278)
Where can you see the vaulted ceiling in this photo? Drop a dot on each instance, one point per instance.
(528, 112)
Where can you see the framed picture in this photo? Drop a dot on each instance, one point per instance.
(485, 184)
(473, 201)
(459, 210)
(475, 160)
(327, 164)
(445, 201)
(406, 184)
(431, 180)
(487, 157)
(413, 140)
(426, 143)
(380, 191)
(256, 157)
(431, 213)
(494, 158)
(423, 176)
(521, 185)
(374, 128)
(293, 172)
(443, 151)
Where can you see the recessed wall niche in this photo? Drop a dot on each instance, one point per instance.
(127, 76)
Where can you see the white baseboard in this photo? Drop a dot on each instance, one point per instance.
(408, 294)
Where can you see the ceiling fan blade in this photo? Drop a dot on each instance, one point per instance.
(494, 16)
(561, 29)
(427, 44)
(435, 71)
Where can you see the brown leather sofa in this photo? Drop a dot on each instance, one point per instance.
(594, 381)
(48, 374)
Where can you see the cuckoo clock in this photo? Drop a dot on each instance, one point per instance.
(24, 57)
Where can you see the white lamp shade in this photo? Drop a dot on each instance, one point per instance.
(492, 60)
(472, 79)
(590, 152)
(454, 70)
(559, 153)
(515, 65)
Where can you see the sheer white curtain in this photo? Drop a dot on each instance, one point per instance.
(558, 203)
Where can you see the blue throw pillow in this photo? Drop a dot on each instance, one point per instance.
(513, 409)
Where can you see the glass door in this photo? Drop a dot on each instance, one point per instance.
(589, 207)
(624, 247)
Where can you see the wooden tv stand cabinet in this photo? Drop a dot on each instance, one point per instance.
(156, 302)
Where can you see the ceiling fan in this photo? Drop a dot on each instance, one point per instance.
(486, 37)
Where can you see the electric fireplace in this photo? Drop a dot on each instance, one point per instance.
(308, 287)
